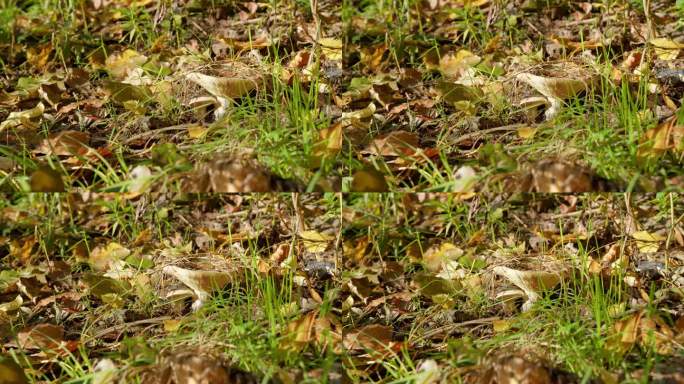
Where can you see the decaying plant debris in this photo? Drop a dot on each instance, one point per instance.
(334, 288)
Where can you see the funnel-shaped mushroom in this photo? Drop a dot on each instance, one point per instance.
(555, 89)
(225, 89)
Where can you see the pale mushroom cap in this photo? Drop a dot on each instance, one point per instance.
(554, 87)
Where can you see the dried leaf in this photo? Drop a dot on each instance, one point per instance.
(102, 258)
(374, 337)
(666, 136)
(331, 48)
(453, 65)
(315, 242)
(65, 143)
(526, 132)
(396, 143)
(11, 372)
(46, 179)
(120, 65)
(648, 242)
(41, 336)
(23, 119)
(369, 180)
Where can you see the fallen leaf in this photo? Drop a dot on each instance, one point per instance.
(197, 131)
(23, 119)
(11, 372)
(120, 65)
(666, 136)
(104, 257)
(556, 89)
(373, 337)
(438, 257)
(65, 143)
(46, 179)
(396, 143)
(369, 180)
(526, 132)
(331, 48)
(452, 65)
(648, 242)
(315, 242)
(41, 336)
(223, 87)
(329, 143)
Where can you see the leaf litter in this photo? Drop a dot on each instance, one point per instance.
(263, 286)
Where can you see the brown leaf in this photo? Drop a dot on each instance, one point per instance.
(667, 136)
(65, 143)
(41, 336)
(46, 179)
(369, 180)
(11, 372)
(374, 337)
(396, 143)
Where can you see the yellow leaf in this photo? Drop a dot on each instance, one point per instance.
(665, 43)
(666, 49)
(197, 131)
(46, 179)
(369, 180)
(647, 242)
(501, 325)
(121, 64)
(102, 257)
(314, 241)
(453, 65)
(526, 132)
(331, 48)
(171, 325)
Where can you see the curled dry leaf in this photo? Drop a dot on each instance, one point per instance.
(65, 143)
(373, 337)
(642, 329)
(453, 65)
(532, 283)
(41, 336)
(120, 65)
(666, 136)
(23, 119)
(439, 258)
(396, 143)
(104, 257)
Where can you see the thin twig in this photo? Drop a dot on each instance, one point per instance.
(453, 327)
(153, 132)
(483, 132)
(123, 326)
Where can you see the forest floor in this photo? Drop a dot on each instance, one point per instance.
(145, 113)
(330, 96)
(357, 288)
